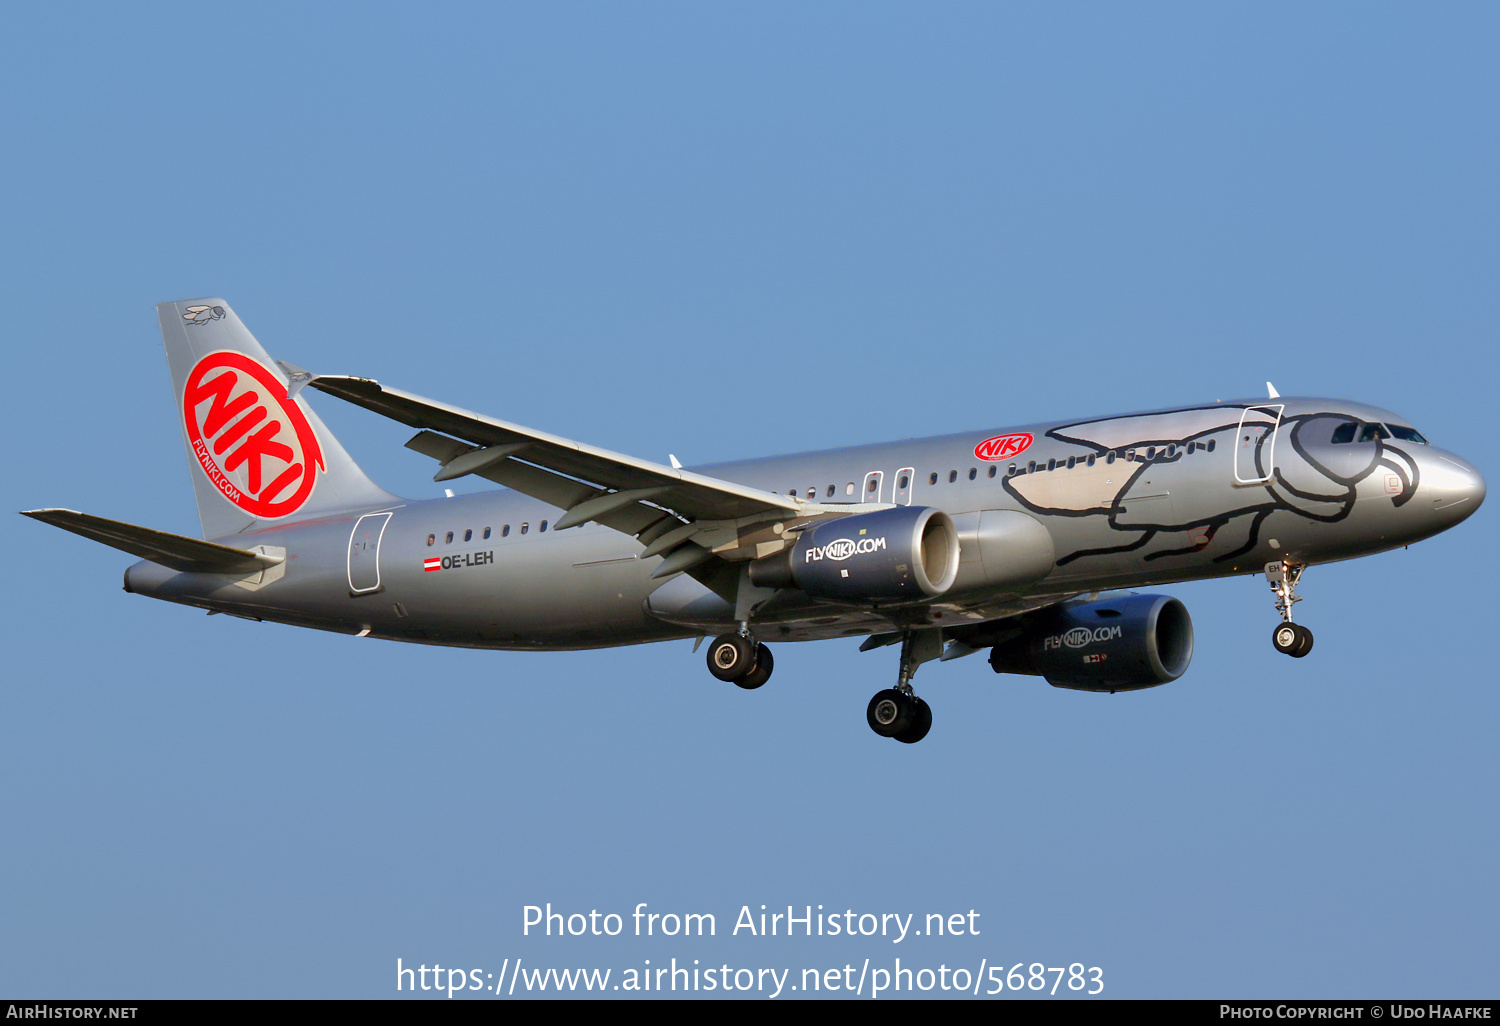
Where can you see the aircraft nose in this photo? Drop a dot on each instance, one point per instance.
(1454, 487)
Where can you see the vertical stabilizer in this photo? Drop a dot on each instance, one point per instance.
(255, 454)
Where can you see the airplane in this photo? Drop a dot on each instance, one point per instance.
(1023, 541)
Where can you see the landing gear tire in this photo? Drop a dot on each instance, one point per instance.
(1306, 644)
(732, 658)
(764, 664)
(891, 713)
(1292, 639)
(921, 723)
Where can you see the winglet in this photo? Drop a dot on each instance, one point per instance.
(296, 377)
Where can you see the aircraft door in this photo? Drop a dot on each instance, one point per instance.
(364, 553)
(873, 481)
(904, 479)
(1255, 444)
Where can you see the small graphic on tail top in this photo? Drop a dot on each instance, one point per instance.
(202, 314)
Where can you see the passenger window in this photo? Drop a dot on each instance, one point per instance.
(1072, 462)
(973, 473)
(1109, 457)
(1129, 455)
(1011, 471)
(812, 493)
(1090, 460)
(1031, 466)
(486, 534)
(542, 526)
(952, 476)
(1372, 432)
(431, 538)
(505, 531)
(933, 478)
(1344, 433)
(849, 488)
(1407, 434)
(1210, 445)
(468, 534)
(993, 468)
(1171, 452)
(874, 483)
(830, 491)
(1051, 464)
(905, 480)
(525, 528)
(448, 540)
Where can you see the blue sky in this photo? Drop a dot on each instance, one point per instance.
(726, 231)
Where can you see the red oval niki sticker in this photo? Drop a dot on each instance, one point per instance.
(1003, 447)
(255, 445)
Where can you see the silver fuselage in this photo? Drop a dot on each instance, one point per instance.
(1149, 498)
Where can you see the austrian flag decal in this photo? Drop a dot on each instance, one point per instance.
(1003, 447)
(254, 444)
(432, 563)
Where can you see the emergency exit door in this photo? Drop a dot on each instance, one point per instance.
(364, 553)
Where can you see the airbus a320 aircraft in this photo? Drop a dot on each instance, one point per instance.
(1013, 540)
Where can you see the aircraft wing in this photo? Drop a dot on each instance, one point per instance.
(667, 508)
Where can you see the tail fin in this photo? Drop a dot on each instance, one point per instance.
(255, 452)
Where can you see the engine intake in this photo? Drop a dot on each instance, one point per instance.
(910, 552)
(1122, 644)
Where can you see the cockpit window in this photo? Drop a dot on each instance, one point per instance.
(1406, 434)
(1373, 432)
(1344, 433)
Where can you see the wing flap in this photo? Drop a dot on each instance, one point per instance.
(174, 551)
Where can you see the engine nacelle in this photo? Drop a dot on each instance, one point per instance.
(1121, 644)
(910, 552)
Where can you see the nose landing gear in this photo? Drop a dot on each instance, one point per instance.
(1289, 638)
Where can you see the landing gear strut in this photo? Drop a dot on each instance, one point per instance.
(897, 712)
(1290, 638)
(740, 659)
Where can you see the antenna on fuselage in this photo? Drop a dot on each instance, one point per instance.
(1272, 390)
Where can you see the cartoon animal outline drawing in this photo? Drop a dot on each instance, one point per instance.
(202, 314)
(1129, 471)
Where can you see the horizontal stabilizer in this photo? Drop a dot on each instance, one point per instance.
(174, 551)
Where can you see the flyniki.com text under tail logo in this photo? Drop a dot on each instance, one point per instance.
(254, 444)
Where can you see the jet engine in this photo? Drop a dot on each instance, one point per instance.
(910, 552)
(1120, 644)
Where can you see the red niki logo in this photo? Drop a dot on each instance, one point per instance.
(1003, 447)
(255, 445)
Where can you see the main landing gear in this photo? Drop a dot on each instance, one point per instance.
(897, 712)
(740, 659)
(1291, 639)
